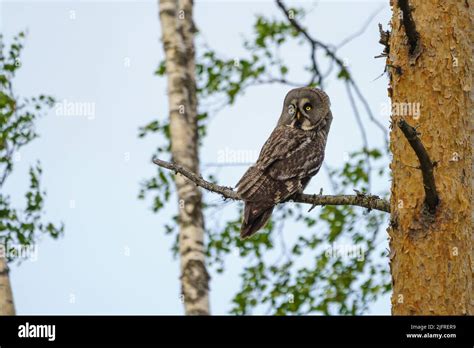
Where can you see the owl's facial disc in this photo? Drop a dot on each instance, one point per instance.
(294, 111)
(305, 108)
(298, 110)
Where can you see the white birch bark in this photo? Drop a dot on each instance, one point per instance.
(6, 295)
(177, 37)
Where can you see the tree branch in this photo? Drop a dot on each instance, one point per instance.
(426, 166)
(331, 53)
(409, 25)
(362, 29)
(360, 199)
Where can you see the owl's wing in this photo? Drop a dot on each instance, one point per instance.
(276, 169)
(282, 143)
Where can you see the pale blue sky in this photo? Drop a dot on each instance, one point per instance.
(107, 55)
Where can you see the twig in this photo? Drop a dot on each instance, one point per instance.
(361, 200)
(365, 140)
(314, 43)
(366, 105)
(271, 80)
(384, 41)
(340, 63)
(362, 29)
(426, 166)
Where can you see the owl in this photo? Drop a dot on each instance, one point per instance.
(290, 157)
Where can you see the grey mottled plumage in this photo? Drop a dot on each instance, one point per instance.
(290, 157)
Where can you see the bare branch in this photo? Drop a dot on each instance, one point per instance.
(410, 28)
(271, 80)
(366, 105)
(365, 140)
(339, 62)
(362, 29)
(426, 166)
(304, 32)
(360, 199)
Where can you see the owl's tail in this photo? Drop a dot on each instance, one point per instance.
(255, 217)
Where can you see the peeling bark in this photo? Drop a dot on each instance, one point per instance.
(178, 34)
(431, 256)
(6, 296)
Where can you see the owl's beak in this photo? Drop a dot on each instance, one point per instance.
(298, 115)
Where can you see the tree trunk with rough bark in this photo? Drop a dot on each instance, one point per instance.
(178, 31)
(430, 65)
(6, 295)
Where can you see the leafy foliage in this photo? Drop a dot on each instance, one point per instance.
(307, 269)
(19, 227)
(345, 275)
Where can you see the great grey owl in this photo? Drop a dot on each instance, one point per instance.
(289, 158)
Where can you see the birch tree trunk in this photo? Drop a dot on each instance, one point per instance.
(6, 295)
(430, 65)
(178, 40)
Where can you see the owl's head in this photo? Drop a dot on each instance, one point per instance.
(306, 108)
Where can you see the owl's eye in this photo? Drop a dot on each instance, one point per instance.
(308, 107)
